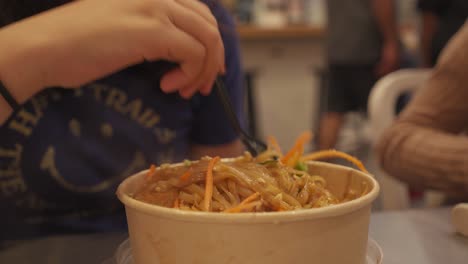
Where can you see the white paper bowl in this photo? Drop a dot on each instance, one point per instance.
(330, 235)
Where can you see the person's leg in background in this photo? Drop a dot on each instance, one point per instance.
(338, 104)
(363, 78)
(349, 89)
(330, 126)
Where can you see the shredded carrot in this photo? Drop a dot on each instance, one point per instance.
(186, 176)
(176, 203)
(242, 204)
(328, 154)
(209, 183)
(298, 146)
(274, 144)
(151, 171)
(250, 198)
(291, 162)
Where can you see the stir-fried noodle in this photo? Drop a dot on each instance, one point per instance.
(272, 181)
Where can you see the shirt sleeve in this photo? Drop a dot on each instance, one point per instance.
(211, 126)
(425, 147)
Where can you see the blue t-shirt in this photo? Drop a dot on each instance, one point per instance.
(64, 153)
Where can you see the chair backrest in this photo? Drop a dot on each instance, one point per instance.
(385, 93)
(381, 109)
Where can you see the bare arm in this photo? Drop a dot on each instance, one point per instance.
(429, 27)
(232, 149)
(50, 49)
(5, 110)
(424, 146)
(385, 16)
(19, 72)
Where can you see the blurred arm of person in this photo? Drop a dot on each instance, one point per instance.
(37, 51)
(424, 146)
(430, 23)
(385, 15)
(429, 27)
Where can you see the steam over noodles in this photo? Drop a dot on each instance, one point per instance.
(269, 182)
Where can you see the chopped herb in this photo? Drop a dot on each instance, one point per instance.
(187, 163)
(301, 166)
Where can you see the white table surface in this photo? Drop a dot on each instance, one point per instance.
(418, 237)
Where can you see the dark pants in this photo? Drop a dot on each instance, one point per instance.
(349, 87)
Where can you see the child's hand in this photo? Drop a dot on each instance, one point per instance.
(88, 39)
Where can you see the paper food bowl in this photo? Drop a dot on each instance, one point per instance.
(331, 235)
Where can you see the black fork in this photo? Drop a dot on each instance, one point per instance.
(254, 146)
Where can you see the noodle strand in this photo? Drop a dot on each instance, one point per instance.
(209, 184)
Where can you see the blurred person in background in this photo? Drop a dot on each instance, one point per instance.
(362, 46)
(441, 19)
(427, 145)
(64, 151)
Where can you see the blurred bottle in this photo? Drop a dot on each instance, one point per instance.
(244, 11)
(270, 13)
(296, 13)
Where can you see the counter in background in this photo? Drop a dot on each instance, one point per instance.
(248, 32)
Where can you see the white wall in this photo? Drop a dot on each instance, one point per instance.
(286, 85)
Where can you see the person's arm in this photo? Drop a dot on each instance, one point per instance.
(57, 48)
(5, 110)
(430, 22)
(424, 146)
(22, 83)
(431, 11)
(385, 16)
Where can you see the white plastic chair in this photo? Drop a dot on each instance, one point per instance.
(381, 108)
